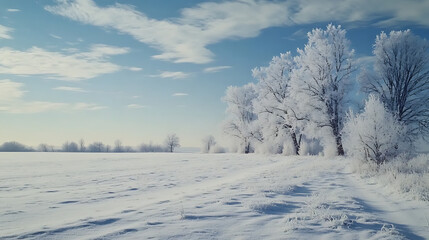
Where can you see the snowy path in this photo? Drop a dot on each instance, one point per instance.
(194, 196)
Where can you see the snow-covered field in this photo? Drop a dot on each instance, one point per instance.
(198, 196)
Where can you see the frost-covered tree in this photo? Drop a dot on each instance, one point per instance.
(240, 122)
(402, 78)
(118, 146)
(208, 142)
(274, 106)
(321, 80)
(96, 147)
(70, 147)
(375, 134)
(171, 142)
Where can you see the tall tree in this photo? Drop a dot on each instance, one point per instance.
(321, 80)
(402, 78)
(273, 105)
(240, 122)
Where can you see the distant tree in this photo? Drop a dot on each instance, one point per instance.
(128, 149)
(151, 148)
(240, 123)
(171, 142)
(14, 147)
(96, 147)
(401, 78)
(82, 147)
(43, 147)
(208, 143)
(118, 146)
(70, 147)
(321, 80)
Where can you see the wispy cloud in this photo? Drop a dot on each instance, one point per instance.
(135, 69)
(135, 106)
(180, 94)
(11, 101)
(70, 89)
(57, 65)
(215, 69)
(10, 90)
(13, 10)
(174, 75)
(5, 32)
(183, 39)
(55, 36)
(87, 106)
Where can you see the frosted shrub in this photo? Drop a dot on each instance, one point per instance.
(373, 135)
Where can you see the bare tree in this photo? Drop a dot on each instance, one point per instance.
(171, 142)
(402, 78)
(82, 147)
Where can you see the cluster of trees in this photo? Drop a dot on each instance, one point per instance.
(15, 147)
(301, 104)
(171, 142)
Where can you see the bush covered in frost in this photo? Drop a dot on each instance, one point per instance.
(373, 135)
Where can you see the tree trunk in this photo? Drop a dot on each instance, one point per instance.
(340, 149)
(295, 143)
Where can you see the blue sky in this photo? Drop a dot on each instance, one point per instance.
(138, 70)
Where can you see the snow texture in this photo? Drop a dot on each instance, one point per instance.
(198, 196)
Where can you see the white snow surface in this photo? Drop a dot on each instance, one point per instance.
(198, 196)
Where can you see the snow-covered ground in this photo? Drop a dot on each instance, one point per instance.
(198, 196)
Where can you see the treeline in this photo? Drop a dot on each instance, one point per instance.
(307, 102)
(170, 144)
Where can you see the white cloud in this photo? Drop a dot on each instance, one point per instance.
(183, 39)
(366, 61)
(10, 91)
(135, 106)
(32, 107)
(71, 89)
(56, 65)
(11, 101)
(215, 69)
(174, 75)
(179, 94)
(13, 10)
(136, 97)
(55, 36)
(87, 106)
(5, 32)
(135, 69)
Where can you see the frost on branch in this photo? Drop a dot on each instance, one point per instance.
(401, 78)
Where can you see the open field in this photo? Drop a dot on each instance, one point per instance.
(197, 196)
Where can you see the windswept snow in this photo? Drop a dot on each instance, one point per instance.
(197, 196)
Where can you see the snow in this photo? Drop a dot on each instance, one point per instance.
(198, 196)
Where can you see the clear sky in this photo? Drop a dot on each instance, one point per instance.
(138, 70)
